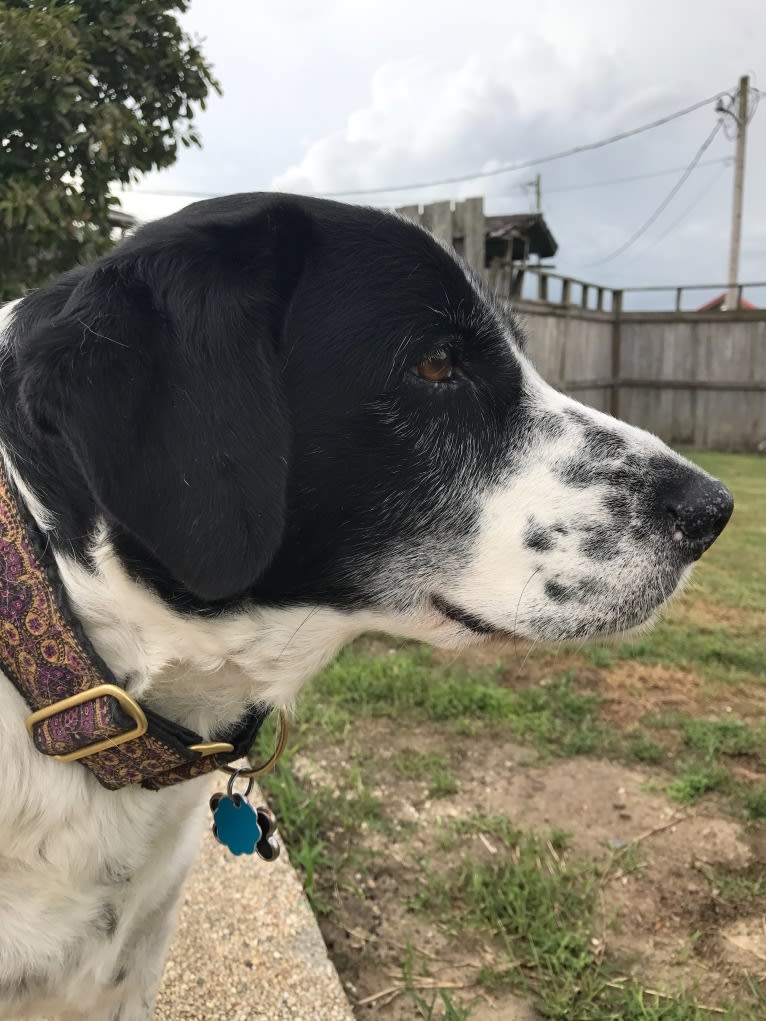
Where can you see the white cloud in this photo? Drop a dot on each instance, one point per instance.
(419, 118)
(322, 97)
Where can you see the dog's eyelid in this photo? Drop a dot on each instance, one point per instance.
(450, 342)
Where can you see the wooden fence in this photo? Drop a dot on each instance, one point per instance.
(695, 378)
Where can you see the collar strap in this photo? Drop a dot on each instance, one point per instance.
(79, 711)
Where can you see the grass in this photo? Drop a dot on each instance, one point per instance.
(553, 717)
(755, 803)
(430, 767)
(710, 738)
(739, 886)
(703, 762)
(439, 999)
(540, 909)
(309, 817)
(691, 784)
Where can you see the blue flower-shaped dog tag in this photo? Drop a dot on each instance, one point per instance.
(235, 823)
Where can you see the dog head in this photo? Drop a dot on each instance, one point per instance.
(291, 401)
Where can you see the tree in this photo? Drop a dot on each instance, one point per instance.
(92, 92)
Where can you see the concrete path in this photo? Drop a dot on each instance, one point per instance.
(247, 946)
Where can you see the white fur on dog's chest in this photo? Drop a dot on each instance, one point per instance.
(82, 870)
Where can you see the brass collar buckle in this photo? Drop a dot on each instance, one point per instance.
(127, 703)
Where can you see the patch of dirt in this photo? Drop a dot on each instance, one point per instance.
(632, 689)
(744, 945)
(717, 615)
(660, 914)
(507, 1007)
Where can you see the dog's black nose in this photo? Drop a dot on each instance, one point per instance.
(698, 508)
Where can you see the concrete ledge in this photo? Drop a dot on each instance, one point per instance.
(247, 946)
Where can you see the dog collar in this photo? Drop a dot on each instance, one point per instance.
(80, 712)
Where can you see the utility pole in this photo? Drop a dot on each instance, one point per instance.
(537, 184)
(741, 117)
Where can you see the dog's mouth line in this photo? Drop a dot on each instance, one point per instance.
(480, 626)
(470, 621)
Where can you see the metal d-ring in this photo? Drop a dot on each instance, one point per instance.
(270, 763)
(230, 785)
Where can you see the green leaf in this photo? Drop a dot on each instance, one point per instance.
(90, 93)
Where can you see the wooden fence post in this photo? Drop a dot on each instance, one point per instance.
(437, 217)
(411, 212)
(472, 212)
(616, 352)
(517, 285)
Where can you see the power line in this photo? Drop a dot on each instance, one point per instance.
(635, 177)
(496, 171)
(665, 202)
(525, 164)
(614, 180)
(515, 187)
(692, 205)
(653, 243)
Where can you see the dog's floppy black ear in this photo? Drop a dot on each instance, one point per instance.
(162, 376)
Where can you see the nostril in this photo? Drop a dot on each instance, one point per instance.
(678, 532)
(701, 514)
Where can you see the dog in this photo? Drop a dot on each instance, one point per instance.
(254, 430)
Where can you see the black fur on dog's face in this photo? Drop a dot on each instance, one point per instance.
(294, 401)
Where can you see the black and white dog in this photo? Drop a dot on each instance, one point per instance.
(256, 429)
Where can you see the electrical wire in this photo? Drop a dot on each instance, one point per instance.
(634, 177)
(692, 205)
(526, 185)
(525, 164)
(654, 242)
(515, 187)
(496, 171)
(663, 205)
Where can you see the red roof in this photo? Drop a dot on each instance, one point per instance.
(720, 301)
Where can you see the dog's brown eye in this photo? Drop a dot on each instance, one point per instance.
(436, 367)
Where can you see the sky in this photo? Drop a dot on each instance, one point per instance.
(325, 95)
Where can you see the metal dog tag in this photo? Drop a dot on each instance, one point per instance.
(242, 828)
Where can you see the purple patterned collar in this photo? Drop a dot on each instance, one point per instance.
(79, 712)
